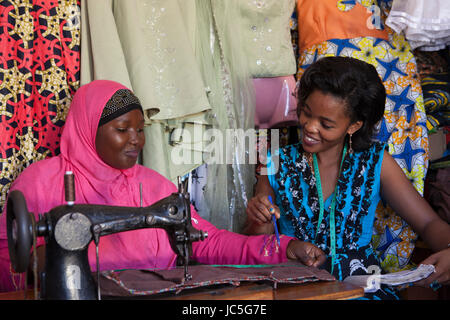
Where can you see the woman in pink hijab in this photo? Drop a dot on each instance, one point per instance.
(100, 144)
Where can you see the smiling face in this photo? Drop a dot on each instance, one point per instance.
(119, 141)
(325, 122)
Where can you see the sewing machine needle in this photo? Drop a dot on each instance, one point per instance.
(99, 296)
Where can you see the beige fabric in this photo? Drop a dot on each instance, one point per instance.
(146, 45)
(266, 37)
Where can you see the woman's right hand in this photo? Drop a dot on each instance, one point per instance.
(259, 215)
(260, 210)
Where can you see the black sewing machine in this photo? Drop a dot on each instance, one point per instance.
(69, 229)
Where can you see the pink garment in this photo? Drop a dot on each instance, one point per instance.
(98, 183)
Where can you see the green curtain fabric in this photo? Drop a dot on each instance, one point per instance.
(181, 56)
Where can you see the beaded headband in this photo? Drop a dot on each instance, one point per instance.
(121, 102)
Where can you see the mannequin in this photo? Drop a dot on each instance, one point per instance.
(275, 104)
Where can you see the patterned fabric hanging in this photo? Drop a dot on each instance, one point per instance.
(39, 73)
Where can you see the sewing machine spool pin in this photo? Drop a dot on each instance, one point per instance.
(69, 188)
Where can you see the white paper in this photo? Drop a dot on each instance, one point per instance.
(371, 282)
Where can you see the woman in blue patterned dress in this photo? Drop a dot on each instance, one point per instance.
(326, 188)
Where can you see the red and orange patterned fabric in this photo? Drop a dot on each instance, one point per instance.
(39, 73)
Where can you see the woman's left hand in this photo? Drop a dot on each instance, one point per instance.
(305, 252)
(441, 262)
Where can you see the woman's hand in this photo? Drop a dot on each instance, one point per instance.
(259, 215)
(441, 262)
(306, 253)
(260, 210)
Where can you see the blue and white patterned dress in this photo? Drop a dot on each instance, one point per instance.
(358, 193)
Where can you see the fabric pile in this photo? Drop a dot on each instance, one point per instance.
(154, 282)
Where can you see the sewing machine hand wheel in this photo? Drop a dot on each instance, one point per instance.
(19, 225)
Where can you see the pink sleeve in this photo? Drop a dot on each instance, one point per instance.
(226, 247)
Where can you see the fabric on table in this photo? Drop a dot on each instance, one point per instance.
(150, 282)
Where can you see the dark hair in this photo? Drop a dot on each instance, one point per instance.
(357, 83)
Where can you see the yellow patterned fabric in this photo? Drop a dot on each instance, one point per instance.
(403, 127)
(39, 73)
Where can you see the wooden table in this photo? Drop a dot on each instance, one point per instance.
(321, 290)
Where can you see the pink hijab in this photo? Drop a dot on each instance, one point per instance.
(97, 183)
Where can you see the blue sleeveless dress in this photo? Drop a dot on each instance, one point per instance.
(357, 196)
